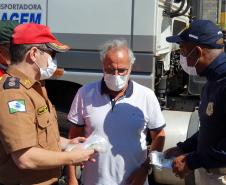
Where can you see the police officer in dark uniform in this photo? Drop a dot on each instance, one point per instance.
(202, 53)
(6, 31)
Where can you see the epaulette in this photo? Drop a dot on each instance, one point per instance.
(11, 83)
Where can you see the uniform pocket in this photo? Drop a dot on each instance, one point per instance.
(43, 129)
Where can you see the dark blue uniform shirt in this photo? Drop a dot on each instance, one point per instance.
(207, 148)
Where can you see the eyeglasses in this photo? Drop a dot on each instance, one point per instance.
(120, 72)
(51, 52)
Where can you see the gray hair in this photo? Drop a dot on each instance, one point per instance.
(116, 44)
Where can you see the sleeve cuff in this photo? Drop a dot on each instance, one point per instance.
(158, 128)
(182, 146)
(186, 146)
(193, 161)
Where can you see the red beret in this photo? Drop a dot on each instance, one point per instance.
(32, 33)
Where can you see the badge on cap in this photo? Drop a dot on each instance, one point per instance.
(209, 109)
(16, 106)
(42, 110)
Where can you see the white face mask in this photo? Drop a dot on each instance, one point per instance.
(47, 72)
(115, 82)
(191, 70)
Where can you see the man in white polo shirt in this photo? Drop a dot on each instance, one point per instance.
(123, 112)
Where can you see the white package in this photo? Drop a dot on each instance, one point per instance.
(94, 141)
(158, 159)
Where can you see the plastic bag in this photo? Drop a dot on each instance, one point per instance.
(94, 141)
(158, 159)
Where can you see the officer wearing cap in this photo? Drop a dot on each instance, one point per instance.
(6, 31)
(202, 53)
(30, 145)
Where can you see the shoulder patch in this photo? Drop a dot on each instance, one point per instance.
(209, 109)
(11, 83)
(16, 106)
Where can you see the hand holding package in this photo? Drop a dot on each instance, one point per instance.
(158, 159)
(94, 141)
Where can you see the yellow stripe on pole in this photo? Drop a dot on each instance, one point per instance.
(223, 20)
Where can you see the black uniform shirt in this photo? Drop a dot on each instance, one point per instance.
(208, 147)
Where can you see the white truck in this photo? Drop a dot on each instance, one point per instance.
(85, 24)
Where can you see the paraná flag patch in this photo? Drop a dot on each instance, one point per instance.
(16, 106)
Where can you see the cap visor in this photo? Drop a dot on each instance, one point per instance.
(174, 39)
(58, 47)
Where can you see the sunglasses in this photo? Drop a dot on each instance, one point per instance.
(51, 52)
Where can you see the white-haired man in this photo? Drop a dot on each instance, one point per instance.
(123, 112)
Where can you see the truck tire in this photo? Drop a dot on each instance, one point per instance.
(63, 122)
(193, 127)
(61, 94)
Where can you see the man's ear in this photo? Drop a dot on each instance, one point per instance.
(199, 51)
(33, 54)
